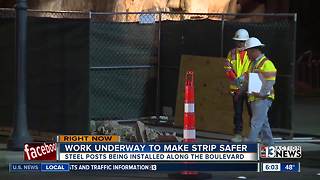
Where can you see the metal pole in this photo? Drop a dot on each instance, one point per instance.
(222, 36)
(292, 85)
(20, 133)
(158, 70)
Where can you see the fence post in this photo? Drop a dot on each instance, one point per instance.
(292, 85)
(20, 133)
(158, 104)
(222, 36)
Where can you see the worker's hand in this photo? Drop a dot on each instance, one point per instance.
(239, 81)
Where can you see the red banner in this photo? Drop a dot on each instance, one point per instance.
(40, 151)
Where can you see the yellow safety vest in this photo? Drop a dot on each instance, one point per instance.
(236, 64)
(267, 70)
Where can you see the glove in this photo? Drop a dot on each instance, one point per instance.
(239, 81)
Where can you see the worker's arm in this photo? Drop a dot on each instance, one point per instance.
(268, 74)
(266, 88)
(230, 73)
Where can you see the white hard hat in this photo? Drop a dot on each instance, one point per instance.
(241, 35)
(252, 42)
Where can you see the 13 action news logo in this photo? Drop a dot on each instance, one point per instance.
(280, 152)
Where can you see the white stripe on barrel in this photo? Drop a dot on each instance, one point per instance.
(189, 107)
(189, 134)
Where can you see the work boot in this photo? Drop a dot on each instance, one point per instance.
(237, 138)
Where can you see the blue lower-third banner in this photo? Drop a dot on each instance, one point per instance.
(67, 167)
(39, 167)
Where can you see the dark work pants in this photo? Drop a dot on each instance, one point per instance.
(238, 100)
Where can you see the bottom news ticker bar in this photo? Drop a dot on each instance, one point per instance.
(190, 166)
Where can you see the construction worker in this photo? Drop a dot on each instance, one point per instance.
(236, 65)
(260, 102)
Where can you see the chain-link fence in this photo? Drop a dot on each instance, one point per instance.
(124, 56)
(57, 70)
(308, 72)
(134, 58)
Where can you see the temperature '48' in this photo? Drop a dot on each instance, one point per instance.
(289, 167)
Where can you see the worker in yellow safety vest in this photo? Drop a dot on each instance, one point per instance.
(236, 65)
(260, 102)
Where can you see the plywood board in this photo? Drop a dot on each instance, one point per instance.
(213, 103)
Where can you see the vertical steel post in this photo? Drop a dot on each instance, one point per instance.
(222, 36)
(20, 133)
(158, 70)
(293, 66)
